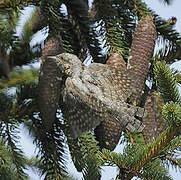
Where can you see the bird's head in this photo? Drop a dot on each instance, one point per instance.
(68, 63)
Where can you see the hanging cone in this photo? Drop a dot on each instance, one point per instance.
(108, 134)
(141, 52)
(52, 47)
(116, 61)
(154, 123)
(49, 83)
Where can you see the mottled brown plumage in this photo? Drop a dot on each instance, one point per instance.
(109, 131)
(95, 93)
(99, 93)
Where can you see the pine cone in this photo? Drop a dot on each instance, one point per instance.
(108, 133)
(49, 83)
(153, 121)
(141, 51)
(52, 47)
(116, 61)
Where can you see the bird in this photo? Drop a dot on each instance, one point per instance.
(98, 93)
(109, 131)
(94, 93)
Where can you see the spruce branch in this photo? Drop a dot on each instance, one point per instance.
(154, 149)
(9, 135)
(168, 2)
(84, 152)
(177, 75)
(89, 148)
(8, 5)
(172, 113)
(155, 170)
(7, 33)
(79, 18)
(174, 161)
(52, 152)
(173, 55)
(26, 102)
(60, 26)
(166, 82)
(17, 155)
(6, 165)
(32, 25)
(69, 37)
(111, 158)
(141, 8)
(169, 38)
(118, 24)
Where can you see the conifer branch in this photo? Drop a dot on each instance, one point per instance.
(6, 5)
(118, 30)
(174, 161)
(17, 155)
(173, 55)
(162, 141)
(155, 170)
(79, 18)
(89, 148)
(32, 25)
(52, 151)
(166, 82)
(9, 135)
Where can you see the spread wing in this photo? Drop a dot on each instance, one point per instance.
(95, 95)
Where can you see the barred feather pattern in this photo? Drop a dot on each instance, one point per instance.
(141, 51)
(109, 131)
(94, 93)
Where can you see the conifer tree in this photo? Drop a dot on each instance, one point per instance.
(99, 31)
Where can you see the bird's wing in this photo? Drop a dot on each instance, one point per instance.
(92, 97)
